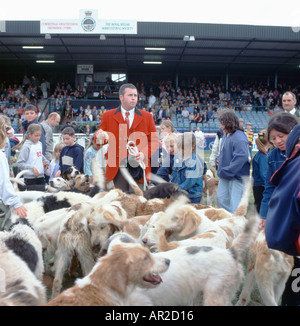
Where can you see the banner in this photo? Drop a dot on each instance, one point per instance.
(88, 23)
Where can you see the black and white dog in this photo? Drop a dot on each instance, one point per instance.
(44, 204)
(23, 241)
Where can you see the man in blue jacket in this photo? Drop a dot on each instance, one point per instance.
(282, 226)
(234, 162)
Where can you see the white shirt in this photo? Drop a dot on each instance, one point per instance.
(131, 115)
(292, 111)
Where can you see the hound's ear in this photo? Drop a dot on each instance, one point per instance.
(120, 277)
(190, 223)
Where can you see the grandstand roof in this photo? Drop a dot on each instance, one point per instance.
(217, 47)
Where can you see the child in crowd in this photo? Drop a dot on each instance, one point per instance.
(54, 164)
(188, 168)
(30, 116)
(7, 194)
(92, 151)
(31, 158)
(71, 154)
(166, 167)
(259, 167)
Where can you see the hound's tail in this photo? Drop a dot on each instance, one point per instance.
(246, 238)
(243, 205)
(127, 176)
(98, 174)
(18, 179)
(156, 178)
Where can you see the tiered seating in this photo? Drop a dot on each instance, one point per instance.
(259, 121)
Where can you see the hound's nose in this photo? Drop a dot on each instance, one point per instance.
(168, 261)
(144, 240)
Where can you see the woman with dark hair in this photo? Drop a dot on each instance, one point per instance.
(279, 127)
(233, 160)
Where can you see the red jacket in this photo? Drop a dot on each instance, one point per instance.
(142, 132)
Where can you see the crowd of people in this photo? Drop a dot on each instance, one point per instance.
(195, 100)
(174, 157)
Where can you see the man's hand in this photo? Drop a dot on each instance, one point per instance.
(140, 156)
(101, 137)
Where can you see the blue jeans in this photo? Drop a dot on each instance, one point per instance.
(229, 194)
(196, 200)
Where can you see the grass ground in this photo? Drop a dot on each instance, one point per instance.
(69, 281)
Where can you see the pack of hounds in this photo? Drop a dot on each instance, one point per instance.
(134, 249)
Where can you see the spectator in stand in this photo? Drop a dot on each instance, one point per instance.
(68, 110)
(87, 130)
(172, 111)
(94, 113)
(179, 109)
(151, 101)
(205, 118)
(210, 112)
(75, 127)
(185, 113)
(191, 117)
(26, 83)
(289, 102)
(215, 115)
(101, 111)
(102, 95)
(88, 113)
(44, 88)
(81, 111)
(161, 114)
(198, 118)
(79, 118)
(11, 112)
